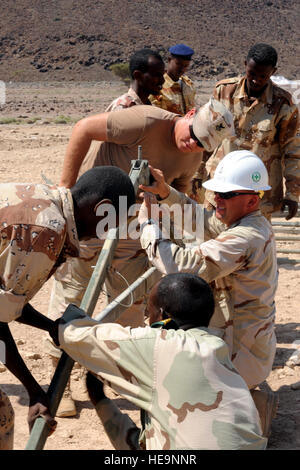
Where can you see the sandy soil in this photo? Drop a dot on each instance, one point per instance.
(29, 150)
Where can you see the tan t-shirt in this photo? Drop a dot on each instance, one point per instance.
(152, 128)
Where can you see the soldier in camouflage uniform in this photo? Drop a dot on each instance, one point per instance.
(146, 70)
(179, 374)
(238, 259)
(267, 123)
(178, 93)
(40, 227)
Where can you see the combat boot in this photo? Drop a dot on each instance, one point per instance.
(66, 407)
(266, 404)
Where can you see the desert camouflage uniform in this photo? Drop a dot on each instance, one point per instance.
(268, 127)
(176, 97)
(240, 263)
(192, 395)
(71, 280)
(7, 418)
(37, 233)
(124, 101)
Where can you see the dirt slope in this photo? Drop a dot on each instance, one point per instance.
(67, 40)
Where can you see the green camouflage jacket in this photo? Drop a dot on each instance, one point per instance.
(193, 396)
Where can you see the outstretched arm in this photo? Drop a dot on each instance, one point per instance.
(84, 132)
(38, 403)
(32, 317)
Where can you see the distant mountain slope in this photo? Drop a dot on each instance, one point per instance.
(78, 40)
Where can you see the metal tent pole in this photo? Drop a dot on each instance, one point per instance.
(40, 430)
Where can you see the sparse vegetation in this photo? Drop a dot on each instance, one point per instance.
(10, 120)
(63, 120)
(32, 120)
(122, 71)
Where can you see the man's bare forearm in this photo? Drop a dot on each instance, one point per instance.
(84, 132)
(32, 317)
(77, 148)
(15, 363)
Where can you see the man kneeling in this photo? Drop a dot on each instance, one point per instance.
(177, 371)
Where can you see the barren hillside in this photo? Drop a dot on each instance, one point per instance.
(46, 40)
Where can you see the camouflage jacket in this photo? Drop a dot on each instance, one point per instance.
(176, 97)
(184, 380)
(240, 263)
(124, 101)
(268, 127)
(37, 232)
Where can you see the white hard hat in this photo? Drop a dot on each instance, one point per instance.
(213, 123)
(239, 170)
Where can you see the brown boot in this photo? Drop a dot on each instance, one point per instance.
(266, 404)
(66, 407)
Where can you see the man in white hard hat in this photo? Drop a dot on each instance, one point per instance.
(238, 259)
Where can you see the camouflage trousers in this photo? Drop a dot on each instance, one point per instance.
(71, 280)
(7, 419)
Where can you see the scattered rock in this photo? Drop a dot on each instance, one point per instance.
(54, 41)
(294, 360)
(34, 356)
(19, 342)
(2, 367)
(67, 435)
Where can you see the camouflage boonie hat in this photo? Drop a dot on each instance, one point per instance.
(212, 123)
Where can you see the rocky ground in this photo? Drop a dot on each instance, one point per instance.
(33, 143)
(66, 40)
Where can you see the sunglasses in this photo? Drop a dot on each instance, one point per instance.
(231, 194)
(194, 137)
